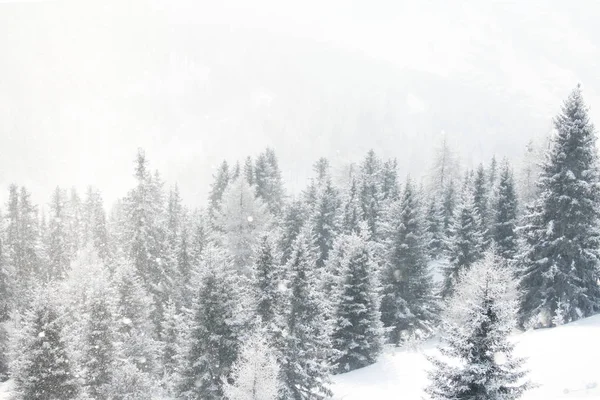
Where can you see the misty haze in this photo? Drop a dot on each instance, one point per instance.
(316, 201)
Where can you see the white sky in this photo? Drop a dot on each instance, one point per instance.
(83, 84)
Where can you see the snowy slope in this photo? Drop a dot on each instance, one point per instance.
(564, 362)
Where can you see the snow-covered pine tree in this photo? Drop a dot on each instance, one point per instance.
(324, 218)
(294, 217)
(73, 210)
(505, 215)
(434, 221)
(357, 332)
(304, 367)
(268, 181)
(221, 180)
(466, 240)
(268, 281)
(94, 224)
(255, 374)
(41, 367)
(561, 261)
(408, 305)
(249, 171)
(6, 300)
(390, 190)
(477, 360)
(57, 240)
(352, 209)
(492, 173)
(215, 331)
(449, 201)
(240, 222)
(445, 167)
(481, 202)
(370, 194)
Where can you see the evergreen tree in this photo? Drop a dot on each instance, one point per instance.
(94, 223)
(240, 222)
(6, 299)
(370, 192)
(58, 241)
(407, 307)
(475, 328)
(435, 229)
(249, 171)
(449, 208)
(352, 209)
(480, 201)
(255, 373)
(294, 217)
(215, 330)
(466, 241)
(561, 261)
(221, 180)
(390, 190)
(324, 218)
(304, 367)
(357, 333)
(268, 280)
(41, 368)
(268, 180)
(445, 168)
(505, 215)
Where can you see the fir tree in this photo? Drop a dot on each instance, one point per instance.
(268, 181)
(249, 171)
(41, 369)
(475, 327)
(370, 193)
(215, 330)
(58, 241)
(294, 217)
(94, 223)
(505, 215)
(352, 210)
(357, 333)
(435, 229)
(449, 208)
(481, 202)
(221, 180)
(255, 373)
(304, 367)
(407, 307)
(268, 280)
(466, 241)
(561, 261)
(324, 219)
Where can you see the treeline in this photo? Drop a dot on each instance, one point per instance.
(271, 291)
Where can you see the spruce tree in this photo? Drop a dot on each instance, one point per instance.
(466, 240)
(352, 209)
(304, 367)
(249, 171)
(561, 261)
(505, 215)
(478, 362)
(324, 218)
(42, 369)
(268, 181)
(215, 329)
(434, 220)
(94, 224)
(481, 202)
(448, 208)
(407, 306)
(357, 332)
(370, 192)
(268, 281)
(221, 180)
(294, 218)
(58, 240)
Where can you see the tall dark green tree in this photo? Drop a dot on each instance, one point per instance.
(304, 366)
(561, 262)
(505, 215)
(357, 332)
(408, 304)
(466, 240)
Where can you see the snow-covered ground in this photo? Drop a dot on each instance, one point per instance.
(563, 361)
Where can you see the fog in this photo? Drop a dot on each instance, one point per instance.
(84, 84)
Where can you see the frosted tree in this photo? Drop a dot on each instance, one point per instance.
(352, 213)
(466, 241)
(294, 217)
(434, 221)
(240, 222)
(215, 330)
(255, 374)
(449, 201)
(477, 356)
(268, 281)
(408, 305)
(94, 223)
(249, 171)
(357, 332)
(221, 180)
(268, 181)
(445, 166)
(481, 202)
(304, 368)
(370, 192)
(390, 190)
(561, 260)
(6, 300)
(57, 241)
(505, 215)
(73, 210)
(529, 168)
(41, 367)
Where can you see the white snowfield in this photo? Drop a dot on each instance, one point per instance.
(563, 361)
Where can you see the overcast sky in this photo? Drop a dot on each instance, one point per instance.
(84, 84)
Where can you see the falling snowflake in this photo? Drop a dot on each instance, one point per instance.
(126, 321)
(250, 219)
(42, 334)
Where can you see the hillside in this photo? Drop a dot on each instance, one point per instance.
(563, 362)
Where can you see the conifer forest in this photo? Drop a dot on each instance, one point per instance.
(264, 293)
